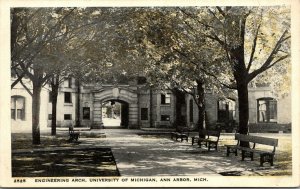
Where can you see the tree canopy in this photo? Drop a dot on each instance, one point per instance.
(175, 47)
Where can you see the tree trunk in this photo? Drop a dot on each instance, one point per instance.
(54, 94)
(78, 123)
(243, 108)
(243, 111)
(36, 102)
(201, 106)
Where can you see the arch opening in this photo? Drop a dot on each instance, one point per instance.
(115, 113)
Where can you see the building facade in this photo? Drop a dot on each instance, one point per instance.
(142, 107)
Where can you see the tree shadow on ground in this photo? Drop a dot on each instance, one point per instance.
(160, 156)
(62, 163)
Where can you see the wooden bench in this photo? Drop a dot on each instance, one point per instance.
(210, 140)
(73, 134)
(247, 152)
(182, 133)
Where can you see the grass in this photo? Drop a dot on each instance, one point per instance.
(57, 157)
(91, 162)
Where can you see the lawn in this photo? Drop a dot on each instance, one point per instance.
(62, 163)
(57, 157)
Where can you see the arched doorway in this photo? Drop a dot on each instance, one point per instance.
(115, 114)
(128, 106)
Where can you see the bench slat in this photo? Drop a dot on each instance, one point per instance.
(257, 139)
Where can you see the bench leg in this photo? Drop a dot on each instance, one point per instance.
(185, 138)
(231, 150)
(266, 158)
(243, 155)
(247, 154)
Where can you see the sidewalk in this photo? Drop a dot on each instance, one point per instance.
(149, 155)
(144, 153)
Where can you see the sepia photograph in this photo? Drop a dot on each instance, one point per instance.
(159, 95)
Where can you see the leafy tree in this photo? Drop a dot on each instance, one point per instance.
(36, 34)
(178, 57)
(254, 39)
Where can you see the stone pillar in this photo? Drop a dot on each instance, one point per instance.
(97, 115)
(133, 116)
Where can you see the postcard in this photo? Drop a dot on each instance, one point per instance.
(149, 94)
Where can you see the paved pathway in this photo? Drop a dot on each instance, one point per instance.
(147, 155)
(138, 154)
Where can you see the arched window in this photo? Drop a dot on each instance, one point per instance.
(18, 108)
(266, 110)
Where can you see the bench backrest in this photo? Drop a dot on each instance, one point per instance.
(257, 139)
(213, 133)
(209, 133)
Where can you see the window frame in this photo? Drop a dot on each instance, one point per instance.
(167, 117)
(67, 119)
(84, 115)
(226, 110)
(16, 112)
(65, 97)
(267, 111)
(164, 97)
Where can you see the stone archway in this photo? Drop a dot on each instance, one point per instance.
(115, 94)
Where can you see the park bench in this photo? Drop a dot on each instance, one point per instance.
(266, 155)
(73, 134)
(182, 133)
(210, 139)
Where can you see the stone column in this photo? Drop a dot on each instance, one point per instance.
(133, 116)
(97, 115)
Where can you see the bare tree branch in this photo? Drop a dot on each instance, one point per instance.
(253, 49)
(268, 63)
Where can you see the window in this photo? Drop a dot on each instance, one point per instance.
(165, 118)
(67, 116)
(17, 108)
(165, 98)
(266, 110)
(68, 82)
(13, 114)
(144, 113)
(226, 110)
(86, 113)
(191, 111)
(141, 80)
(68, 98)
(50, 96)
(49, 116)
